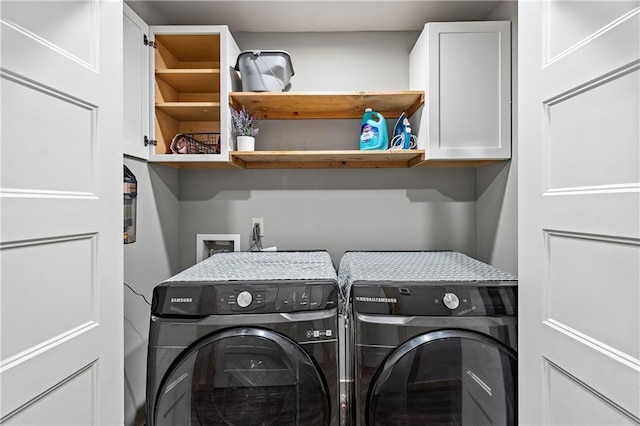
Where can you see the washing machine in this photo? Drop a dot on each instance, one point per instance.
(245, 338)
(433, 339)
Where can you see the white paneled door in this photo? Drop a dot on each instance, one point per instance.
(579, 212)
(61, 199)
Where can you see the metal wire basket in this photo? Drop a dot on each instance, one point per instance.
(196, 143)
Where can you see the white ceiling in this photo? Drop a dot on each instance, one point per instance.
(310, 15)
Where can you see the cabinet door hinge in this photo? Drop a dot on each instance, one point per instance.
(148, 42)
(148, 141)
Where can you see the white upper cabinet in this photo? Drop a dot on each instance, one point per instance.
(136, 86)
(193, 75)
(465, 70)
(177, 85)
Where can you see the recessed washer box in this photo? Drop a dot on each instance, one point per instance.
(209, 244)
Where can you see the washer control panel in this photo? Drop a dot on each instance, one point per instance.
(435, 299)
(209, 298)
(294, 297)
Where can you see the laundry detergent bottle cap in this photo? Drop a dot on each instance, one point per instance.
(373, 131)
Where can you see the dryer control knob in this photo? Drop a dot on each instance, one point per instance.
(244, 299)
(451, 301)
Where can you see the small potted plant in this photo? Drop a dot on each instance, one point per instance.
(245, 127)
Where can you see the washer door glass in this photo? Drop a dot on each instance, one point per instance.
(243, 376)
(449, 377)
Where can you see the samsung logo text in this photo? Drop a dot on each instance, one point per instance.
(376, 299)
(181, 299)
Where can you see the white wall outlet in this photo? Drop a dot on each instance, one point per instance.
(259, 221)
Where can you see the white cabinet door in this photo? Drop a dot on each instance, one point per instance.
(61, 311)
(579, 212)
(136, 85)
(465, 70)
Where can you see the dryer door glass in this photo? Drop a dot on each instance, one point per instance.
(450, 377)
(243, 376)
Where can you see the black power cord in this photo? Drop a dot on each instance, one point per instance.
(256, 238)
(139, 294)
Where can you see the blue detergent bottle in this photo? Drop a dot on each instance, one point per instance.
(373, 132)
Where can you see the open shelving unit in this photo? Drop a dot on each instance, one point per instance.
(318, 105)
(326, 105)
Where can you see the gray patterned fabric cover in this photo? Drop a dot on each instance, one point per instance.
(425, 266)
(256, 266)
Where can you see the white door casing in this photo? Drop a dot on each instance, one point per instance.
(61, 314)
(579, 212)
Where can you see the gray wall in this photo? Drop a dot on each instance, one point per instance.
(497, 185)
(148, 261)
(337, 210)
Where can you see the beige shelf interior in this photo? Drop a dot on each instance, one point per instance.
(199, 51)
(191, 111)
(187, 86)
(191, 80)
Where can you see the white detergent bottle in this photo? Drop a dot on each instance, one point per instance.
(373, 132)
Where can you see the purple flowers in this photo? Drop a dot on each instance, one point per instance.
(244, 123)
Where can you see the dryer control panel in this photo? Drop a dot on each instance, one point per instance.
(202, 299)
(441, 299)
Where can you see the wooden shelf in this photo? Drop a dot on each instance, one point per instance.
(191, 111)
(191, 80)
(347, 105)
(325, 159)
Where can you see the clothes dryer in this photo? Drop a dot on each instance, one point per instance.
(433, 339)
(245, 339)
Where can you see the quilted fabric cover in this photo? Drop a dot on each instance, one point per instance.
(256, 266)
(418, 266)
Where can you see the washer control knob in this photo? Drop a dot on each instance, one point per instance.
(451, 301)
(244, 299)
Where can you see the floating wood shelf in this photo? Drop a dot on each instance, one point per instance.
(326, 159)
(347, 105)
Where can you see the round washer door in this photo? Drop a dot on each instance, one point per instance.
(445, 377)
(243, 376)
